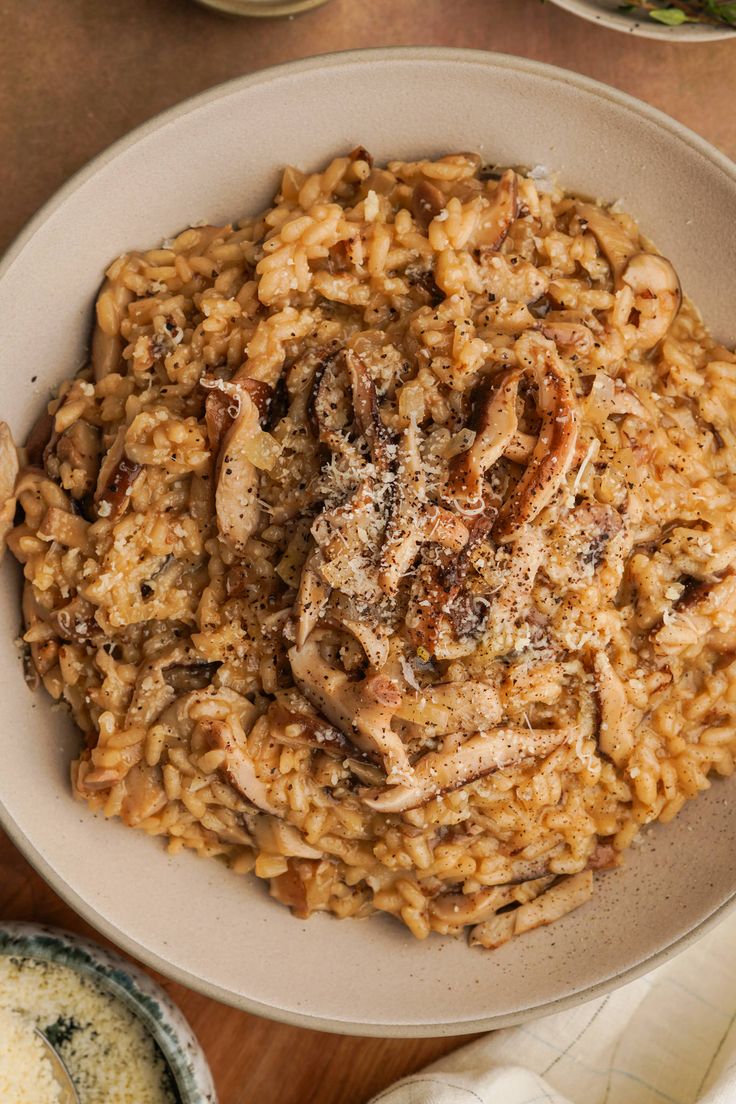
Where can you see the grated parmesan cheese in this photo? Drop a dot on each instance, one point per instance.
(107, 1050)
(25, 1071)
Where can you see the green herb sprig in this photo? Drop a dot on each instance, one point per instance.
(673, 13)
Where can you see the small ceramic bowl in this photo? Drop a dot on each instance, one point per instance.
(608, 13)
(132, 987)
(219, 157)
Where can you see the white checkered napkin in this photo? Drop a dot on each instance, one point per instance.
(667, 1038)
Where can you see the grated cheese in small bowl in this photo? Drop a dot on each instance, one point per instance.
(118, 1034)
(25, 1070)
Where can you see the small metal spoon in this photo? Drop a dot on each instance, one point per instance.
(61, 1073)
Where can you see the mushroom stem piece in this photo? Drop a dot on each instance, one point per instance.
(494, 422)
(555, 447)
(361, 713)
(439, 772)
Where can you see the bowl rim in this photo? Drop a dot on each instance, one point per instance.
(401, 54)
(129, 984)
(619, 21)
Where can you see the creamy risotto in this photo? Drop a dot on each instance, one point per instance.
(384, 546)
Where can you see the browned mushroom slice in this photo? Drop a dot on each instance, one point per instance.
(367, 414)
(440, 772)
(426, 202)
(568, 894)
(503, 212)
(115, 480)
(236, 497)
(184, 677)
(238, 767)
(657, 293)
(494, 422)
(76, 622)
(312, 597)
(520, 448)
(373, 639)
(347, 537)
(220, 411)
(65, 528)
(360, 153)
(9, 468)
(276, 837)
(107, 344)
(153, 692)
(39, 439)
(450, 912)
(614, 241)
(79, 447)
(362, 710)
(555, 447)
(573, 338)
(298, 728)
(331, 409)
(453, 707)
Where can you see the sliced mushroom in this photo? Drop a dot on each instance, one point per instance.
(503, 212)
(76, 623)
(652, 278)
(9, 468)
(238, 767)
(115, 480)
(618, 718)
(347, 537)
(65, 528)
(312, 597)
(185, 677)
(153, 693)
(79, 447)
(39, 439)
(236, 497)
(573, 338)
(555, 447)
(494, 422)
(450, 912)
(362, 710)
(568, 894)
(614, 241)
(453, 707)
(520, 448)
(658, 296)
(220, 411)
(440, 772)
(298, 727)
(373, 641)
(426, 202)
(279, 838)
(365, 407)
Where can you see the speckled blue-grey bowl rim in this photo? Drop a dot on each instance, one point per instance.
(132, 987)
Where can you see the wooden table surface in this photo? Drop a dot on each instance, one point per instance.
(77, 74)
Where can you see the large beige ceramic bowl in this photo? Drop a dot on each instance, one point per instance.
(217, 157)
(611, 14)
